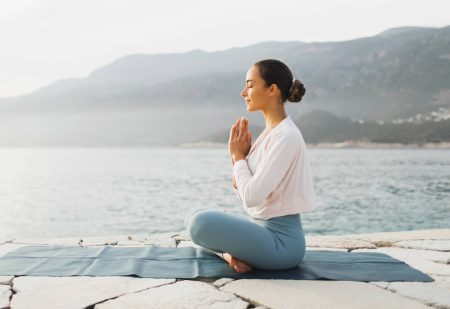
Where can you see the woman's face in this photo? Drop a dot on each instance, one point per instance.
(255, 93)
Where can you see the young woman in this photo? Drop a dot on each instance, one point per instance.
(271, 178)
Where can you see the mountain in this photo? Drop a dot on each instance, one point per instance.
(324, 127)
(173, 98)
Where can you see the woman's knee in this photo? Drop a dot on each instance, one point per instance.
(191, 212)
(200, 223)
(297, 256)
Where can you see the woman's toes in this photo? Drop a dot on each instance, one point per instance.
(233, 262)
(243, 267)
(238, 265)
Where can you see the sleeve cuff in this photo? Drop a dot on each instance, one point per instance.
(237, 167)
(239, 163)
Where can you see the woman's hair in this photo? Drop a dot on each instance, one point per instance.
(276, 72)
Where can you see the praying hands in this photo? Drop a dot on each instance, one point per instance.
(240, 140)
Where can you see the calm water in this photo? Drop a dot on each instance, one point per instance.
(50, 192)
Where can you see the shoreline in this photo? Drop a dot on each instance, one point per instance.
(340, 145)
(204, 144)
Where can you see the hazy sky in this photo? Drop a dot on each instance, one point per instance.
(46, 40)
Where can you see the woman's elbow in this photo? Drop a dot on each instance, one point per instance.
(253, 195)
(252, 201)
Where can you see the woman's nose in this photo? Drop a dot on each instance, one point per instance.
(244, 92)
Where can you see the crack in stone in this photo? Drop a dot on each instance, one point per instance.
(13, 292)
(383, 243)
(415, 299)
(220, 301)
(10, 241)
(249, 306)
(443, 262)
(177, 241)
(115, 297)
(430, 304)
(424, 249)
(251, 303)
(381, 287)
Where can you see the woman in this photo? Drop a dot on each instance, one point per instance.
(272, 179)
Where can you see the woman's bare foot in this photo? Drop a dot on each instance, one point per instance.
(238, 265)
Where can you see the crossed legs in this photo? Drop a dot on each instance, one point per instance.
(243, 242)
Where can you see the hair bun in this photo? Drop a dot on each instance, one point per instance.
(296, 92)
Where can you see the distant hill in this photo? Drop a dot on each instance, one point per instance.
(173, 98)
(324, 127)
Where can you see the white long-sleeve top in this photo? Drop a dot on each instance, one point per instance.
(275, 178)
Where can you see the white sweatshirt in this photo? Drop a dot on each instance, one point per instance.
(275, 179)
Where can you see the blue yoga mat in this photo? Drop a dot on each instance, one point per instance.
(190, 262)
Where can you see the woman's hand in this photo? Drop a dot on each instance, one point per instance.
(240, 140)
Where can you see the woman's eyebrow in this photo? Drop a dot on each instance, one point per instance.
(249, 80)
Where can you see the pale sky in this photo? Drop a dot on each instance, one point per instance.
(47, 40)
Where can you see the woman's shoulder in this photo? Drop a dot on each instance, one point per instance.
(288, 139)
(287, 130)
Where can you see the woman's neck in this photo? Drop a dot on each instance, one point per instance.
(273, 118)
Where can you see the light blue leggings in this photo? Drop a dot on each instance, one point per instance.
(273, 244)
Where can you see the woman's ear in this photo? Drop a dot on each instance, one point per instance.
(273, 89)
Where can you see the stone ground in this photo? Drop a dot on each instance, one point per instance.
(426, 250)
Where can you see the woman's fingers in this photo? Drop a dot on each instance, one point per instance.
(240, 130)
(232, 132)
(246, 131)
(243, 128)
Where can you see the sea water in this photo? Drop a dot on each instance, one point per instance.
(74, 192)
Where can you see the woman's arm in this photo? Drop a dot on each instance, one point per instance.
(239, 128)
(234, 180)
(281, 153)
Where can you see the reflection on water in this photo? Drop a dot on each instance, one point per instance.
(62, 192)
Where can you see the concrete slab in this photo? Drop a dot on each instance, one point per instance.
(182, 294)
(429, 293)
(181, 236)
(48, 241)
(413, 247)
(75, 292)
(429, 244)
(336, 241)
(222, 281)
(442, 280)
(161, 239)
(404, 253)
(426, 266)
(403, 235)
(188, 243)
(4, 280)
(327, 248)
(287, 294)
(5, 294)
